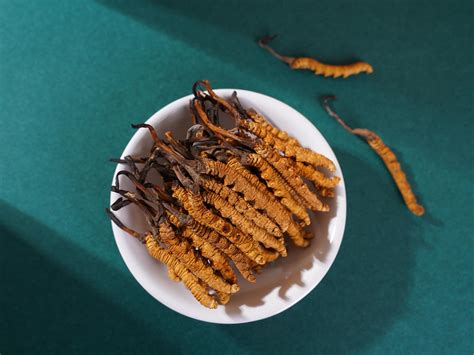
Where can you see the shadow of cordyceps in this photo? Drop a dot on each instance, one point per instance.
(45, 307)
(288, 272)
(428, 216)
(286, 280)
(188, 21)
(368, 285)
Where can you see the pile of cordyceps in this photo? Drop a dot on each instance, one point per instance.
(229, 198)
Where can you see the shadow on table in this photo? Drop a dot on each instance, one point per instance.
(45, 307)
(204, 25)
(428, 216)
(368, 285)
(228, 30)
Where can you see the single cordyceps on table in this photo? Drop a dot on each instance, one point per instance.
(319, 68)
(385, 153)
(228, 198)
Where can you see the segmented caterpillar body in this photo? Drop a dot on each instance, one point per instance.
(319, 68)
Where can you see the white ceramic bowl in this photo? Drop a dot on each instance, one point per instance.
(281, 284)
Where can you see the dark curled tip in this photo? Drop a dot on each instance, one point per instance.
(238, 106)
(118, 191)
(327, 107)
(266, 39)
(152, 130)
(120, 203)
(114, 218)
(198, 94)
(195, 89)
(124, 161)
(327, 98)
(123, 227)
(132, 165)
(263, 42)
(132, 178)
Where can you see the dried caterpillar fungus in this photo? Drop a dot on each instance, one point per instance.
(285, 168)
(260, 219)
(242, 262)
(195, 206)
(190, 281)
(246, 226)
(217, 259)
(222, 203)
(317, 177)
(280, 140)
(279, 186)
(326, 191)
(172, 275)
(327, 70)
(236, 177)
(182, 249)
(388, 157)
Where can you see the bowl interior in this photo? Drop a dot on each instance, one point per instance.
(282, 283)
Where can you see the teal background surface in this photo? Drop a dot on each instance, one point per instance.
(73, 76)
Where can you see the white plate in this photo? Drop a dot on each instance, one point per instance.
(281, 284)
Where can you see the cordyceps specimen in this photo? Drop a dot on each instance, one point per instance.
(386, 154)
(228, 201)
(328, 70)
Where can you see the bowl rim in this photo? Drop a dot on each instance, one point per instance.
(335, 243)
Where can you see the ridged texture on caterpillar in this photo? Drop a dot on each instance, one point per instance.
(194, 204)
(280, 187)
(241, 261)
(172, 275)
(237, 177)
(213, 254)
(189, 279)
(292, 229)
(285, 167)
(315, 176)
(298, 235)
(246, 226)
(330, 70)
(241, 205)
(386, 154)
(393, 166)
(192, 260)
(326, 191)
(280, 140)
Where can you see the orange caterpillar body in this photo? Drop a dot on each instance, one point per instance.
(386, 154)
(328, 70)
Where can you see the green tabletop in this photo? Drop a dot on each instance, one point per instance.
(73, 76)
